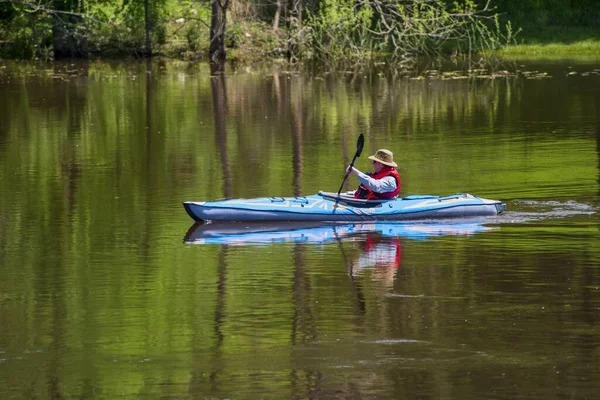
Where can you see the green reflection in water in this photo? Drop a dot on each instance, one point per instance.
(100, 297)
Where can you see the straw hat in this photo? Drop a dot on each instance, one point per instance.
(385, 157)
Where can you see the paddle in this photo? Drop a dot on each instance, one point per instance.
(360, 143)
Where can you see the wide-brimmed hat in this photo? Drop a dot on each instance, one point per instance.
(385, 157)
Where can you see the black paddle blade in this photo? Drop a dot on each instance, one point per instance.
(360, 143)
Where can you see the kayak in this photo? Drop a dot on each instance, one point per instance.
(329, 207)
(261, 233)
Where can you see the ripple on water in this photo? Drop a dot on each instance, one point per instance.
(532, 210)
(409, 296)
(397, 341)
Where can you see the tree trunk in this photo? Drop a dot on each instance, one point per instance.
(148, 27)
(218, 21)
(277, 16)
(295, 47)
(298, 12)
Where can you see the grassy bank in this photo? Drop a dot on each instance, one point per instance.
(555, 43)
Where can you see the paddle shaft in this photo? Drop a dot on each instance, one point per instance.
(360, 143)
(347, 174)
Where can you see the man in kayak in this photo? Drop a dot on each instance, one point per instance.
(383, 183)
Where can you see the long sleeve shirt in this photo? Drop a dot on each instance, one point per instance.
(383, 185)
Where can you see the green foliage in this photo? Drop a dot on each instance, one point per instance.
(187, 30)
(339, 31)
(109, 27)
(7, 11)
(120, 25)
(106, 26)
(24, 35)
(536, 15)
(350, 32)
(253, 41)
(234, 34)
(486, 37)
(193, 36)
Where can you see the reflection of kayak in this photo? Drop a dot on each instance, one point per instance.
(245, 233)
(331, 208)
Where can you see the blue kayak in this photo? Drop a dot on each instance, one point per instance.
(329, 207)
(261, 233)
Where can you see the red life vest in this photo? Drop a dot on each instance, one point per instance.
(364, 192)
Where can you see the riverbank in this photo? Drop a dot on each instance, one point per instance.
(256, 41)
(555, 43)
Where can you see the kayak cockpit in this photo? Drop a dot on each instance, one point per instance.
(347, 198)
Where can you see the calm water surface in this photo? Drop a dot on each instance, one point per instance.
(109, 291)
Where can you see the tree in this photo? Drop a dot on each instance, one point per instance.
(218, 23)
(148, 27)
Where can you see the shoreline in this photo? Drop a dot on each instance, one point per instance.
(555, 43)
(588, 49)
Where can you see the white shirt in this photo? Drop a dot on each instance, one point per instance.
(383, 185)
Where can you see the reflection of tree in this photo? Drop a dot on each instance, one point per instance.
(58, 329)
(588, 272)
(598, 139)
(198, 380)
(149, 130)
(219, 314)
(72, 105)
(219, 100)
(303, 323)
(303, 329)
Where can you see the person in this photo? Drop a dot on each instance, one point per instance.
(383, 183)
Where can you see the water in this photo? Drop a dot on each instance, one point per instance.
(105, 293)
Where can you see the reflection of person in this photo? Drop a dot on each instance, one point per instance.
(383, 183)
(382, 255)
